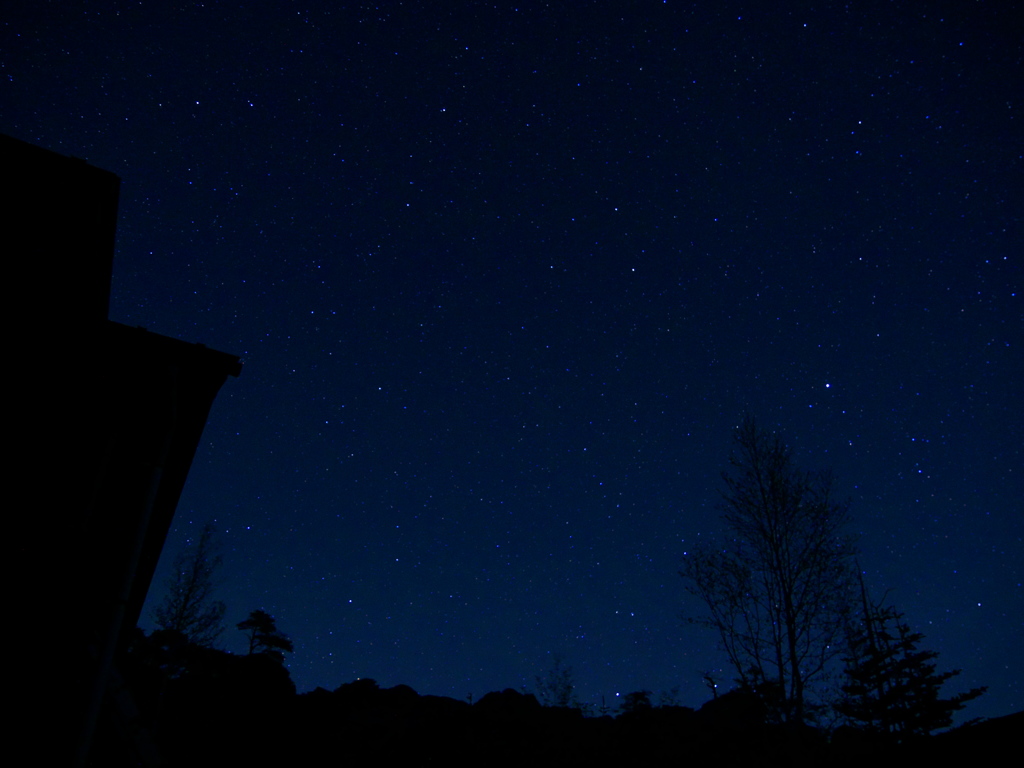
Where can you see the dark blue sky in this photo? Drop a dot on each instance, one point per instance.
(504, 280)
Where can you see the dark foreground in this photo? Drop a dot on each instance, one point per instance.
(237, 710)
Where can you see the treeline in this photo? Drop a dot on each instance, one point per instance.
(784, 595)
(202, 707)
(782, 592)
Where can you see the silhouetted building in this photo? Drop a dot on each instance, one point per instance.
(107, 420)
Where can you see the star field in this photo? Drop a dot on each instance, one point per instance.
(505, 278)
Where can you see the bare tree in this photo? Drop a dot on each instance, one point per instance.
(188, 606)
(778, 591)
(556, 688)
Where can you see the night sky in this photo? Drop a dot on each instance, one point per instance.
(505, 279)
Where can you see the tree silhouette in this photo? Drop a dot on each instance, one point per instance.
(778, 592)
(556, 688)
(188, 608)
(264, 636)
(636, 702)
(891, 686)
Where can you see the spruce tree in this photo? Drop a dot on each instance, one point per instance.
(891, 686)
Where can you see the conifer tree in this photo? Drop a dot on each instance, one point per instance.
(891, 685)
(264, 636)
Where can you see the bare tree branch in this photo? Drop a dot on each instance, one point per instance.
(778, 593)
(188, 606)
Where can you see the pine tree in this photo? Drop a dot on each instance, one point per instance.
(891, 686)
(264, 636)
